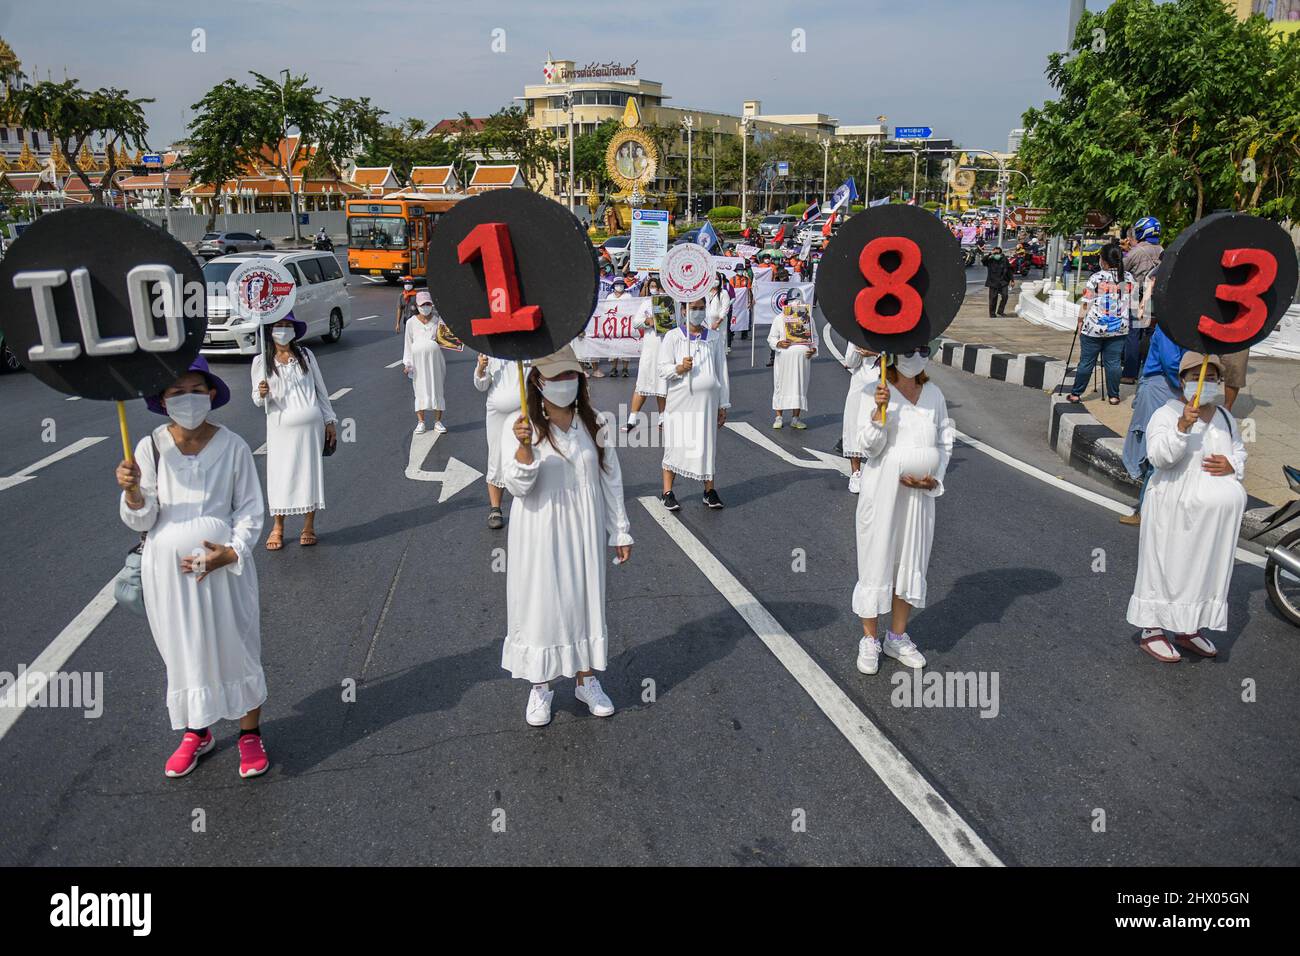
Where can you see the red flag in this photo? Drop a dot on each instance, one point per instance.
(830, 223)
(780, 235)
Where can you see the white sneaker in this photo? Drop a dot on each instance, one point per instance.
(439, 427)
(539, 707)
(868, 655)
(590, 693)
(420, 429)
(903, 650)
(798, 423)
(855, 482)
(778, 423)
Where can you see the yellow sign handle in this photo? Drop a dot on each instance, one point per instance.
(1205, 363)
(884, 364)
(523, 389)
(126, 435)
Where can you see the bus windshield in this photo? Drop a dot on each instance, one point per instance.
(376, 232)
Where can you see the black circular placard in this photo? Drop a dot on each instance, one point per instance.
(939, 280)
(108, 243)
(1187, 294)
(553, 263)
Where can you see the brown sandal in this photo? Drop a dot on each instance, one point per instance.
(1073, 399)
(307, 539)
(1188, 643)
(1146, 642)
(275, 540)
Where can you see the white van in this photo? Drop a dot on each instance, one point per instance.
(321, 301)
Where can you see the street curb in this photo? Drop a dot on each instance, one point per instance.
(1042, 372)
(1085, 443)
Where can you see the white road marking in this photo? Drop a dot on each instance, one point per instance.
(367, 318)
(953, 835)
(73, 398)
(1110, 504)
(454, 477)
(824, 461)
(260, 449)
(18, 477)
(52, 659)
(339, 394)
(393, 364)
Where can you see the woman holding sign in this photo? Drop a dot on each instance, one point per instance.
(862, 380)
(563, 472)
(423, 362)
(192, 490)
(654, 320)
(794, 339)
(500, 379)
(906, 441)
(300, 422)
(694, 366)
(1191, 515)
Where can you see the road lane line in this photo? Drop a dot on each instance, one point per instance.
(55, 656)
(954, 836)
(393, 364)
(339, 394)
(1110, 504)
(73, 398)
(367, 318)
(26, 474)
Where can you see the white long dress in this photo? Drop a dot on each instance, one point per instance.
(792, 370)
(423, 356)
(717, 309)
(295, 434)
(691, 411)
(501, 382)
(895, 524)
(567, 511)
(1190, 522)
(648, 380)
(208, 632)
(862, 383)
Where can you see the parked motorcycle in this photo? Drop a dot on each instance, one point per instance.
(1282, 573)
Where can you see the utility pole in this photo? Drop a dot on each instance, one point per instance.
(744, 170)
(288, 158)
(916, 158)
(826, 162)
(568, 100)
(688, 124)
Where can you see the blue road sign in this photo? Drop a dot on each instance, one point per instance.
(912, 132)
(151, 159)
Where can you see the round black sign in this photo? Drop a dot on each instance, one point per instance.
(69, 271)
(1225, 283)
(513, 273)
(892, 278)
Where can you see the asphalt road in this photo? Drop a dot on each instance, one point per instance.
(744, 733)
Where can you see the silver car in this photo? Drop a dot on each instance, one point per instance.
(220, 243)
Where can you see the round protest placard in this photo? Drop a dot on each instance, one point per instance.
(686, 272)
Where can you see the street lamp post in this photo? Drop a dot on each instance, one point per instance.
(916, 158)
(714, 156)
(744, 171)
(568, 102)
(284, 144)
(826, 162)
(688, 124)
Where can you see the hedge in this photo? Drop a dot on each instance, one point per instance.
(724, 212)
(796, 209)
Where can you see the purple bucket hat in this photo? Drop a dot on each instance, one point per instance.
(299, 327)
(200, 365)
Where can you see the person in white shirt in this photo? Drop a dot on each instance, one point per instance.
(648, 381)
(792, 370)
(1191, 516)
(423, 362)
(905, 459)
(717, 309)
(694, 366)
(192, 492)
(865, 374)
(621, 289)
(300, 421)
(562, 470)
(500, 379)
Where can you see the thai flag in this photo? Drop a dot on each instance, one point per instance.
(846, 193)
(707, 236)
(812, 211)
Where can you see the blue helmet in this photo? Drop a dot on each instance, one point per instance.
(1147, 229)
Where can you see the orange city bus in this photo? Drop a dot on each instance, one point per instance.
(389, 237)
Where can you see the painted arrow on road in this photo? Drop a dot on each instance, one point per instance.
(454, 477)
(823, 461)
(26, 474)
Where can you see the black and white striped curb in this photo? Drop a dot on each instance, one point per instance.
(1042, 372)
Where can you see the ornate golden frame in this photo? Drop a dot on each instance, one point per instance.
(632, 136)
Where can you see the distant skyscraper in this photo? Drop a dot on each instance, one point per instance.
(1013, 140)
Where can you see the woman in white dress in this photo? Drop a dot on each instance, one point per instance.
(862, 380)
(423, 362)
(562, 470)
(1191, 516)
(793, 368)
(649, 384)
(717, 309)
(694, 366)
(500, 379)
(299, 422)
(904, 463)
(622, 289)
(192, 490)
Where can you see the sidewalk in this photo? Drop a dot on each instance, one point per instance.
(1270, 400)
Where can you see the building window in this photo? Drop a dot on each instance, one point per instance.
(4, 134)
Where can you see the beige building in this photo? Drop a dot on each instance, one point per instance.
(600, 92)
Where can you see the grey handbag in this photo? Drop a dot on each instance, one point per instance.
(127, 588)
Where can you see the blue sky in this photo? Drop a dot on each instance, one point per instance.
(968, 69)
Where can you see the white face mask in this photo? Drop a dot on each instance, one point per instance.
(911, 366)
(1211, 392)
(283, 336)
(426, 310)
(560, 392)
(189, 410)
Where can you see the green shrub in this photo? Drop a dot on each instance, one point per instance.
(856, 207)
(796, 209)
(723, 212)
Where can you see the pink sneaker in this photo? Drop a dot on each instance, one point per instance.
(187, 755)
(253, 760)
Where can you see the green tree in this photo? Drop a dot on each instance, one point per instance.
(408, 144)
(507, 135)
(589, 155)
(1168, 109)
(74, 116)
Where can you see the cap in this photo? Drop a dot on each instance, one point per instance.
(1194, 359)
(562, 361)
